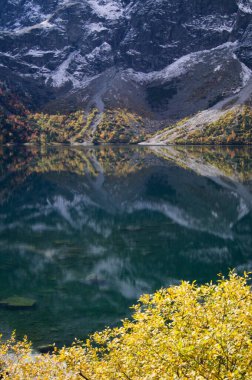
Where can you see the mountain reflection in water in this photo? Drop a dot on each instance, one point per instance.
(85, 231)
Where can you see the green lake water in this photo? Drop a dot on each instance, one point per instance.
(86, 231)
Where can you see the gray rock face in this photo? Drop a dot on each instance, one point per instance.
(162, 58)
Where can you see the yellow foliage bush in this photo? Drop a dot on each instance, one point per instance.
(185, 332)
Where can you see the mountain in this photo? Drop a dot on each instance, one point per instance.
(154, 61)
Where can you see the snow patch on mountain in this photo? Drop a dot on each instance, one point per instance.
(216, 23)
(102, 49)
(40, 53)
(217, 68)
(95, 27)
(246, 74)
(61, 75)
(245, 6)
(33, 11)
(42, 25)
(108, 9)
(31, 16)
(177, 68)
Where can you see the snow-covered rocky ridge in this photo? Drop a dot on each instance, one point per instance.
(162, 58)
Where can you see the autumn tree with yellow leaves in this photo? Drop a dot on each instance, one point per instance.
(185, 332)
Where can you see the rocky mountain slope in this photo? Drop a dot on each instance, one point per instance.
(160, 59)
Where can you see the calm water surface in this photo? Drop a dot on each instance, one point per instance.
(85, 231)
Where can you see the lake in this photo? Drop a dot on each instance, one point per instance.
(86, 231)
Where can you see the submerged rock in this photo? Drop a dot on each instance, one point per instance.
(46, 349)
(18, 303)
